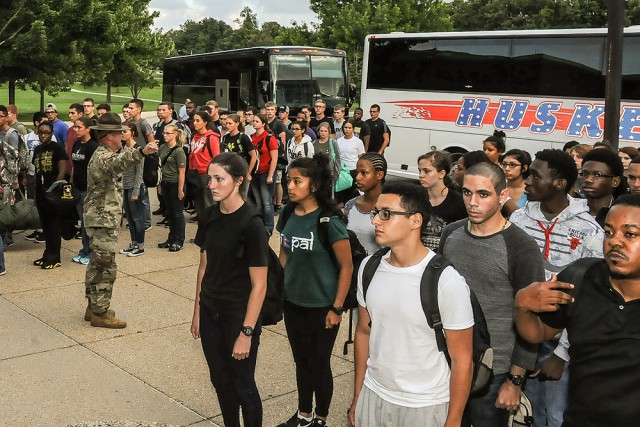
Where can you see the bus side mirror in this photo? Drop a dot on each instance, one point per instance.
(264, 90)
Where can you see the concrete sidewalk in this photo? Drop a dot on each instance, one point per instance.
(57, 370)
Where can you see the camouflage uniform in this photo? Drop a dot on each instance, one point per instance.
(102, 215)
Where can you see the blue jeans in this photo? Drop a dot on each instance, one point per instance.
(234, 380)
(135, 215)
(481, 411)
(263, 194)
(147, 206)
(85, 251)
(548, 398)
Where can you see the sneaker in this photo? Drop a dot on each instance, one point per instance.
(164, 221)
(127, 250)
(40, 238)
(297, 421)
(38, 262)
(84, 260)
(317, 422)
(175, 248)
(3, 272)
(157, 212)
(136, 252)
(51, 266)
(31, 237)
(148, 227)
(164, 245)
(76, 259)
(78, 235)
(7, 243)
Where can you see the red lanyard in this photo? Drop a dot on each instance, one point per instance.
(547, 237)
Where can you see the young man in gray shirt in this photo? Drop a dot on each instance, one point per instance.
(510, 260)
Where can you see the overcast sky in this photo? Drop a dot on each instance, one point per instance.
(175, 12)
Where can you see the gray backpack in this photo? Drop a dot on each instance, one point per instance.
(12, 160)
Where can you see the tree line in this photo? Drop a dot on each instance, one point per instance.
(48, 45)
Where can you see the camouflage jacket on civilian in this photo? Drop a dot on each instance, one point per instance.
(103, 203)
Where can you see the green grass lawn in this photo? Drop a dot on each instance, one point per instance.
(28, 101)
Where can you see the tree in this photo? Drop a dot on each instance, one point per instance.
(346, 23)
(207, 35)
(472, 15)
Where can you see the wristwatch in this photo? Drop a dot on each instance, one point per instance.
(517, 380)
(247, 330)
(338, 310)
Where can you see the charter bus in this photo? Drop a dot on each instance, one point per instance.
(289, 75)
(449, 91)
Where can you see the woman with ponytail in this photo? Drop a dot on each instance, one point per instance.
(315, 284)
(494, 146)
(173, 162)
(447, 205)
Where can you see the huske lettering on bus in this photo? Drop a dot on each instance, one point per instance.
(547, 117)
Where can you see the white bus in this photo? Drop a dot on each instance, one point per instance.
(449, 91)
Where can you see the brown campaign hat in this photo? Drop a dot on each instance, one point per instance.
(109, 121)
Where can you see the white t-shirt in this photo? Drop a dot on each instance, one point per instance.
(350, 150)
(360, 223)
(405, 367)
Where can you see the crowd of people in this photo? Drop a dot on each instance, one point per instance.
(509, 222)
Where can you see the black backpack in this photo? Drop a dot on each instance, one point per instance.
(482, 351)
(358, 252)
(150, 168)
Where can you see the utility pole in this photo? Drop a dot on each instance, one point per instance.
(615, 15)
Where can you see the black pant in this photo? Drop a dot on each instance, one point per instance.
(51, 222)
(311, 344)
(234, 380)
(175, 215)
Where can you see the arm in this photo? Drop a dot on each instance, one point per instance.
(253, 158)
(273, 164)
(137, 182)
(459, 343)
(181, 174)
(195, 321)
(361, 355)
(509, 393)
(283, 257)
(62, 169)
(258, 275)
(385, 142)
(535, 298)
(342, 251)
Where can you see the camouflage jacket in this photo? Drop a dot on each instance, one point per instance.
(103, 203)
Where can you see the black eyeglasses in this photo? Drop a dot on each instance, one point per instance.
(385, 214)
(595, 175)
(506, 165)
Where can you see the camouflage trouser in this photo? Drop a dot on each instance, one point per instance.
(101, 271)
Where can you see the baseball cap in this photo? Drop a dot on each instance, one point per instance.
(52, 106)
(283, 109)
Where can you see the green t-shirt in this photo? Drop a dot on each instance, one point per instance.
(310, 276)
(177, 159)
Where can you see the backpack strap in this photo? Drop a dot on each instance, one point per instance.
(306, 148)
(429, 299)
(207, 144)
(162, 161)
(370, 269)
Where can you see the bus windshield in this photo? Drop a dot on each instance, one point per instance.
(301, 79)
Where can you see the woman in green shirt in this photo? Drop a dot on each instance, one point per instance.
(174, 162)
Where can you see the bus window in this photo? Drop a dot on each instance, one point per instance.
(328, 74)
(630, 67)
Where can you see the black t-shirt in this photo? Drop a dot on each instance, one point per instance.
(238, 143)
(361, 129)
(277, 127)
(604, 373)
(450, 210)
(45, 160)
(233, 243)
(80, 155)
(377, 128)
(314, 123)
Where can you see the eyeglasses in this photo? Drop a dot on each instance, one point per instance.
(296, 128)
(595, 175)
(385, 214)
(506, 165)
(50, 112)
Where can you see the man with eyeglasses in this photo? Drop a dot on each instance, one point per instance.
(249, 114)
(60, 128)
(565, 232)
(320, 107)
(379, 132)
(515, 262)
(601, 177)
(412, 382)
(633, 175)
(88, 105)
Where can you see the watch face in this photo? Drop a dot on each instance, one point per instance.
(247, 330)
